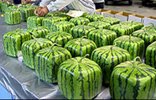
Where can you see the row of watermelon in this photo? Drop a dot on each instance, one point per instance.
(107, 57)
(16, 14)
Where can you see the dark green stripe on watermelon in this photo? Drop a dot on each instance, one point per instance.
(102, 37)
(60, 38)
(47, 62)
(99, 25)
(80, 21)
(110, 20)
(49, 21)
(107, 58)
(12, 41)
(151, 55)
(39, 32)
(27, 12)
(79, 78)
(122, 29)
(135, 46)
(34, 21)
(133, 80)
(13, 17)
(135, 25)
(58, 14)
(63, 26)
(30, 48)
(94, 17)
(80, 47)
(148, 36)
(81, 30)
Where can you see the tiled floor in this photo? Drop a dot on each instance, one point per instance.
(3, 93)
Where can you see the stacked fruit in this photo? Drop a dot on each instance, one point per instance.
(94, 17)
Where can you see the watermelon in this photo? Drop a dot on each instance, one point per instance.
(122, 29)
(108, 57)
(148, 36)
(39, 32)
(133, 80)
(79, 78)
(34, 21)
(26, 12)
(31, 47)
(99, 25)
(81, 30)
(135, 25)
(60, 38)
(135, 46)
(80, 47)
(0, 6)
(12, 41)
(48, 21)
(47, 62)
(4, 6)
(110, 20)
(80, 21)
(63, 26)
(102, 37)
(13, 17)
(150, 55)
(58, 14)
(94, 17)
(151, 28)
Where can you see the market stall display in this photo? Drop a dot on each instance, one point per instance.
(60, 38)
(31, 47)
(79, 78)
(133, 80)
(108, 57)
(47, 62)
(81, 30)
(135, 46)
(12, 41)
(102, 37)
(80, 47)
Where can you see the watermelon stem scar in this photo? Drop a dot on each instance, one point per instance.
(83, 37)
(152, 24)
(136, 59)
(55, 44)
(34, 37)
(87, 55)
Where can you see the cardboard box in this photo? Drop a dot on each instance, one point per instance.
(148, 20)
(137, 18)
(123, 16)
(109, 13)
(99, 11)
